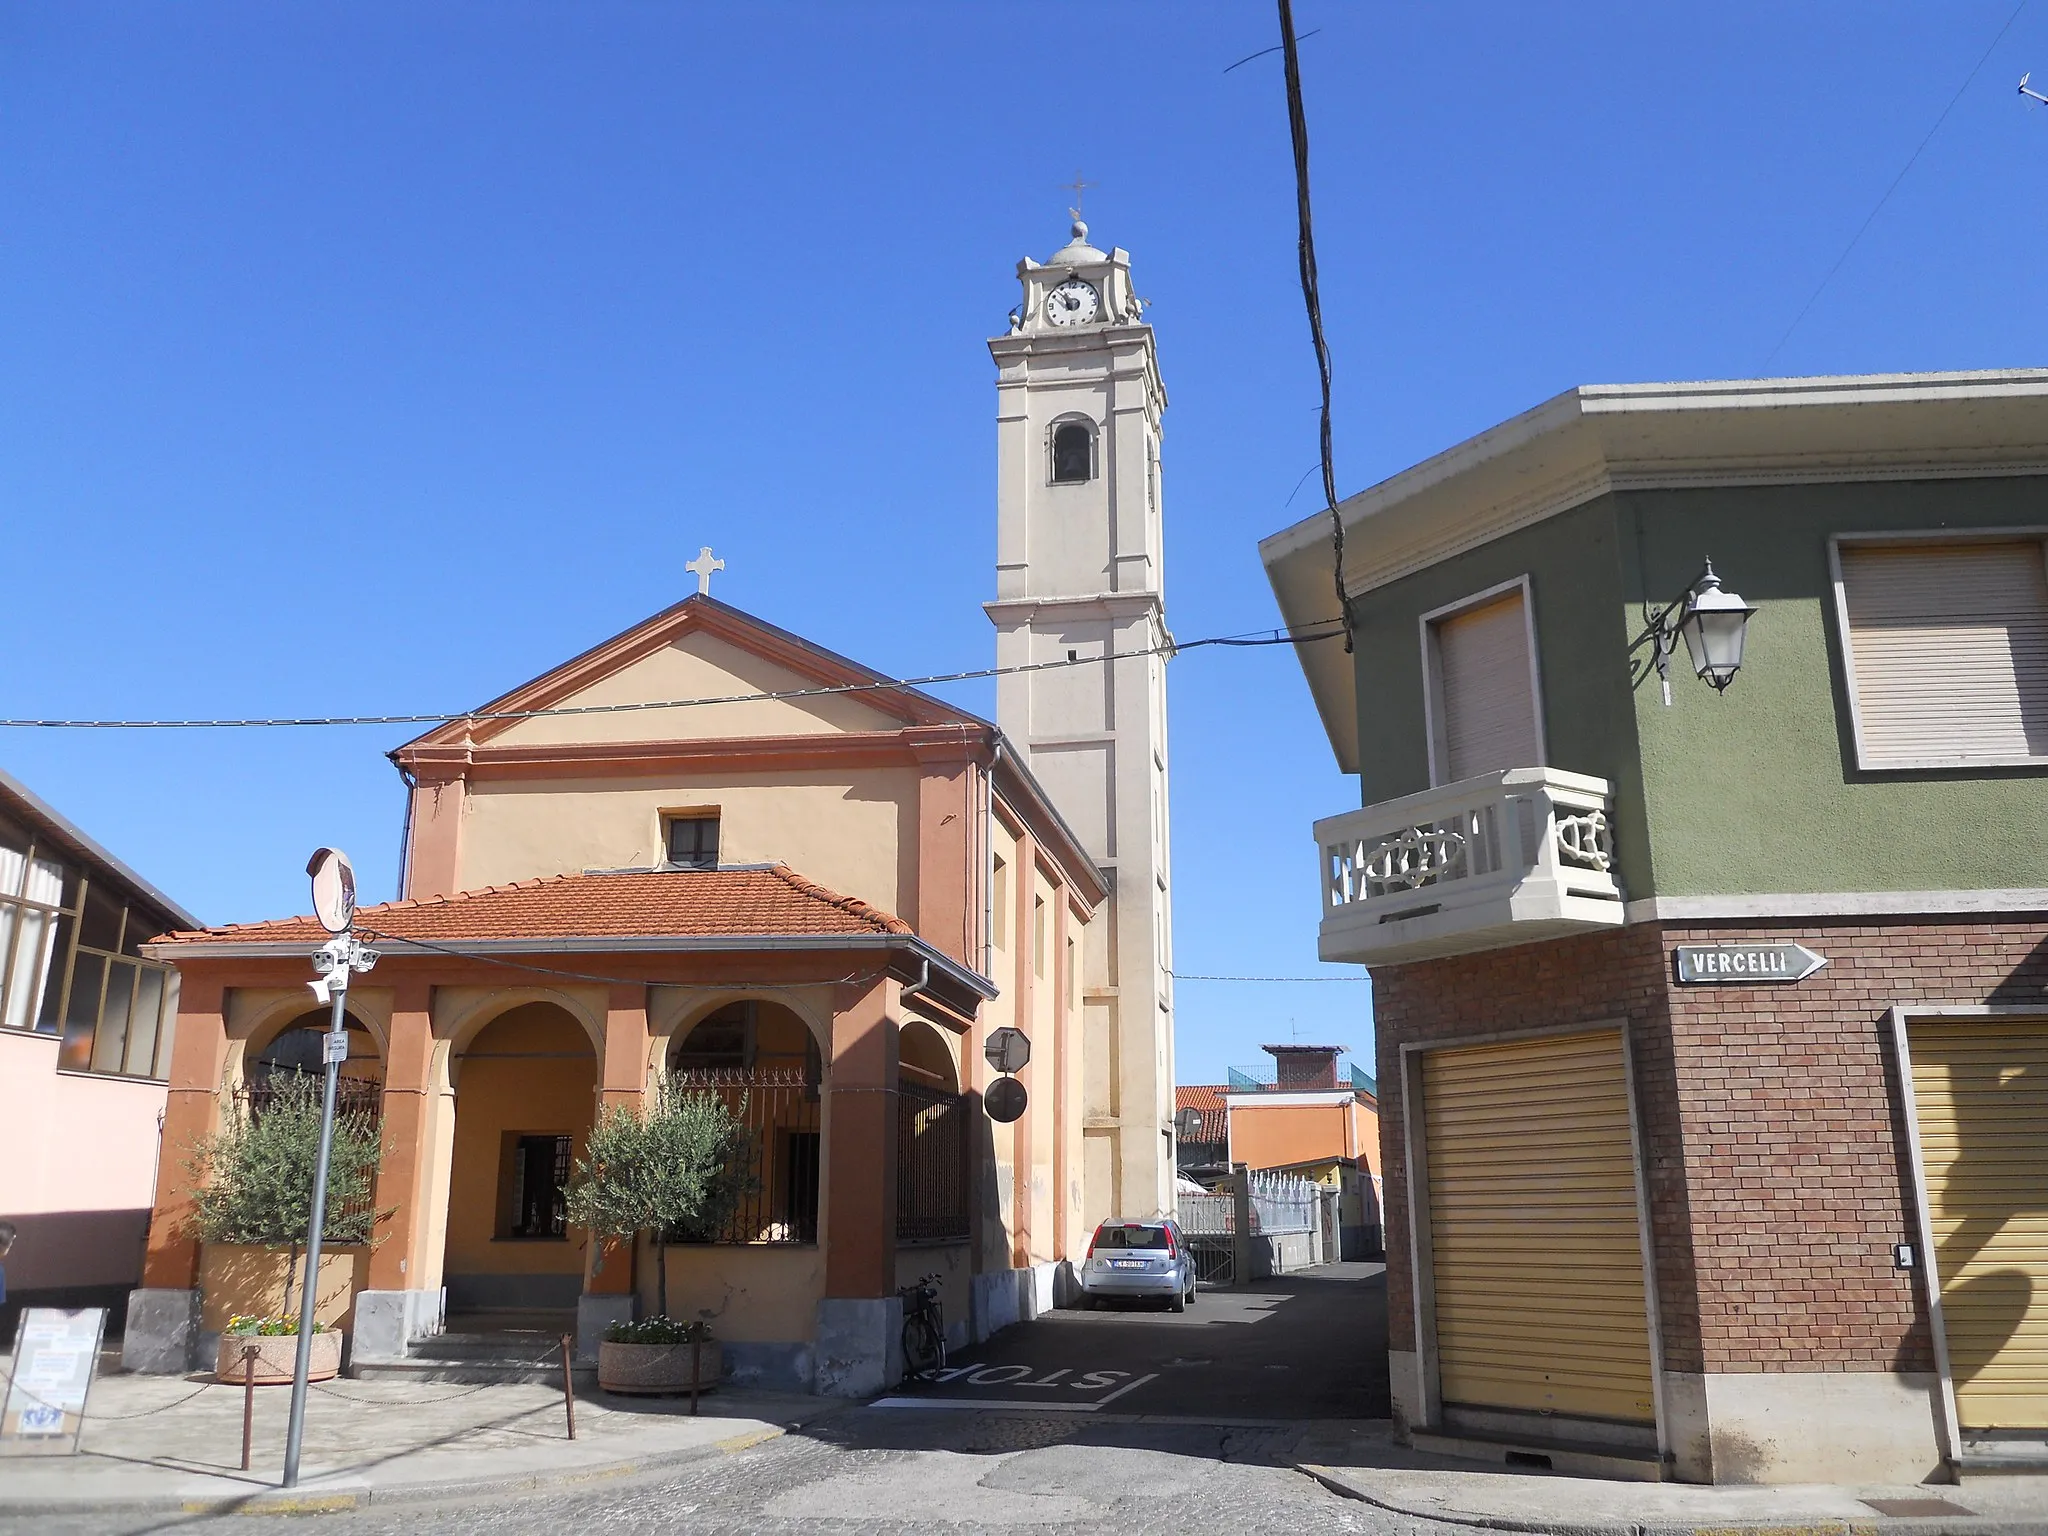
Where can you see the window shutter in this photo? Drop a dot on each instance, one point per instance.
(1950, 646)
(1489, 708)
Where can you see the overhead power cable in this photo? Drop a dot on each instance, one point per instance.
(1297, 127)
(1169, 648)
(1911, 161)
(1187, 976)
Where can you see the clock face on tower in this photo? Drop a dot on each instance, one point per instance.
(1072, 303)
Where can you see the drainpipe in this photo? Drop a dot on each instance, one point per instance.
(405, 830)
(923, 982)
(988, 860)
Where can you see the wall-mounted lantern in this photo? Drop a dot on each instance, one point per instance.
(1714, 623)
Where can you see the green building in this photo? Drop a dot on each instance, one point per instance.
(1712, 1020)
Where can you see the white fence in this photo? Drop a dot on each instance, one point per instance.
(1282, 1203)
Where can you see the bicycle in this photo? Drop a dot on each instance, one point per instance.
(924, 1330)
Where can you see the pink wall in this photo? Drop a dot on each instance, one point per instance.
(72, 1145)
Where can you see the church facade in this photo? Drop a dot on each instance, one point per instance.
(815, 899)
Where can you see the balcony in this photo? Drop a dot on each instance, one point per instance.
(1502, 859)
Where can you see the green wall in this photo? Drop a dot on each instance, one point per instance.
(1757, 789)
(1753, 790)
(1574, 563)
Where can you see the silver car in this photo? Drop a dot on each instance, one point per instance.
(1139, 1259)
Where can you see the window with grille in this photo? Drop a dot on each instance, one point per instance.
(1946, 650)
(538, 1174)
(693, 841)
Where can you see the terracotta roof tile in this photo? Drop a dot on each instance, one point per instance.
(661, 903)
(1208, 1099)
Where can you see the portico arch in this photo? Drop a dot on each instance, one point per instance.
(525, 1075)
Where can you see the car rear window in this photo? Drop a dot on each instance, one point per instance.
(1131, 1237)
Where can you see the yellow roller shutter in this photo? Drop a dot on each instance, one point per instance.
(1536, 1251)
(1980, 1090)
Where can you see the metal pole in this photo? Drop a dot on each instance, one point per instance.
(248, 1400)
(568, 1388)
(295, 1428)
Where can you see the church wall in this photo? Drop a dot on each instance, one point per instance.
(852, 830)
(1042, 1028)
(697, 666)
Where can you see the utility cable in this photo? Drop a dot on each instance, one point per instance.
(1186, 976)
(1911, 161)
(376, 936)
(1297, 127)
(1168, 648)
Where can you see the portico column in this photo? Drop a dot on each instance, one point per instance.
(402, 1301)
(859, 1345)
(163, 1316)
(621, 1084)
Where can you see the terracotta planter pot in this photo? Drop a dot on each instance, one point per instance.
(658, 1369)
(277, 1354)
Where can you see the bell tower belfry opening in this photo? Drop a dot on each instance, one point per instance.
(1078, 576)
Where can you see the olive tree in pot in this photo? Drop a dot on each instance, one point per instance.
(253, 1189)
(679, 1170)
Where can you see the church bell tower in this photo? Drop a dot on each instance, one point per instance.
(1078, 412)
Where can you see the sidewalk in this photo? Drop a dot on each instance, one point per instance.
(175, 1443)
(1361, 1461)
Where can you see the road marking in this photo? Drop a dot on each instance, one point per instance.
(1094, 1381)
(1126, 1387)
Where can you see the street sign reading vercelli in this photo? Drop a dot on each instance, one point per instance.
(1719, 963)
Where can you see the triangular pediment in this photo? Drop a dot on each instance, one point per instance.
(699, 650)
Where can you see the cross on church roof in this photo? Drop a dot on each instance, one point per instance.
(702, 567)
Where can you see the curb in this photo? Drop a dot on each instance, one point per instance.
(1964, 1525)
(339, 1499)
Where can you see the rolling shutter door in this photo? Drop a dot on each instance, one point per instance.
(1980, 1091)
(1537, 1255)
(1950, 644)
(1489, 715)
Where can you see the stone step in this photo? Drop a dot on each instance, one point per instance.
(503, 1347)
(471, 1372)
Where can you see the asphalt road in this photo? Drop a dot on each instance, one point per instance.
(1306, 1346)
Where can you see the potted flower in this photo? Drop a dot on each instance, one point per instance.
(275, 1342)
(659, 1355)
(679, 1168)
(253, 1200)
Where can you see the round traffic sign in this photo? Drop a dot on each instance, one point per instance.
(1005, 1100)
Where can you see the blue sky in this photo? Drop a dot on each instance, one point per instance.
(304, 308)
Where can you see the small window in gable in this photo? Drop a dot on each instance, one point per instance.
(693, 840)
(1073, 453)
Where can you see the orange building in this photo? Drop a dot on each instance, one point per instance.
(1304, 1115)
(815, 898)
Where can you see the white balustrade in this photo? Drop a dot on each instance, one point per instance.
(1501, 859)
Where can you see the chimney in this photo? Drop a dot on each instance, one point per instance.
(1304, 1066)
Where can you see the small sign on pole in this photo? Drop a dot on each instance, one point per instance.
(56, 1353)
(1008, 1049)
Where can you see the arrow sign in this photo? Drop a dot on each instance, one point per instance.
(1720, 964)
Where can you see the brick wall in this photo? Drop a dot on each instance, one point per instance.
(1772, 1131)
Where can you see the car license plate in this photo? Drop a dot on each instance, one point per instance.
(1127, 1263)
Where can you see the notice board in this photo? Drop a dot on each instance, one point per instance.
(56, 1353)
